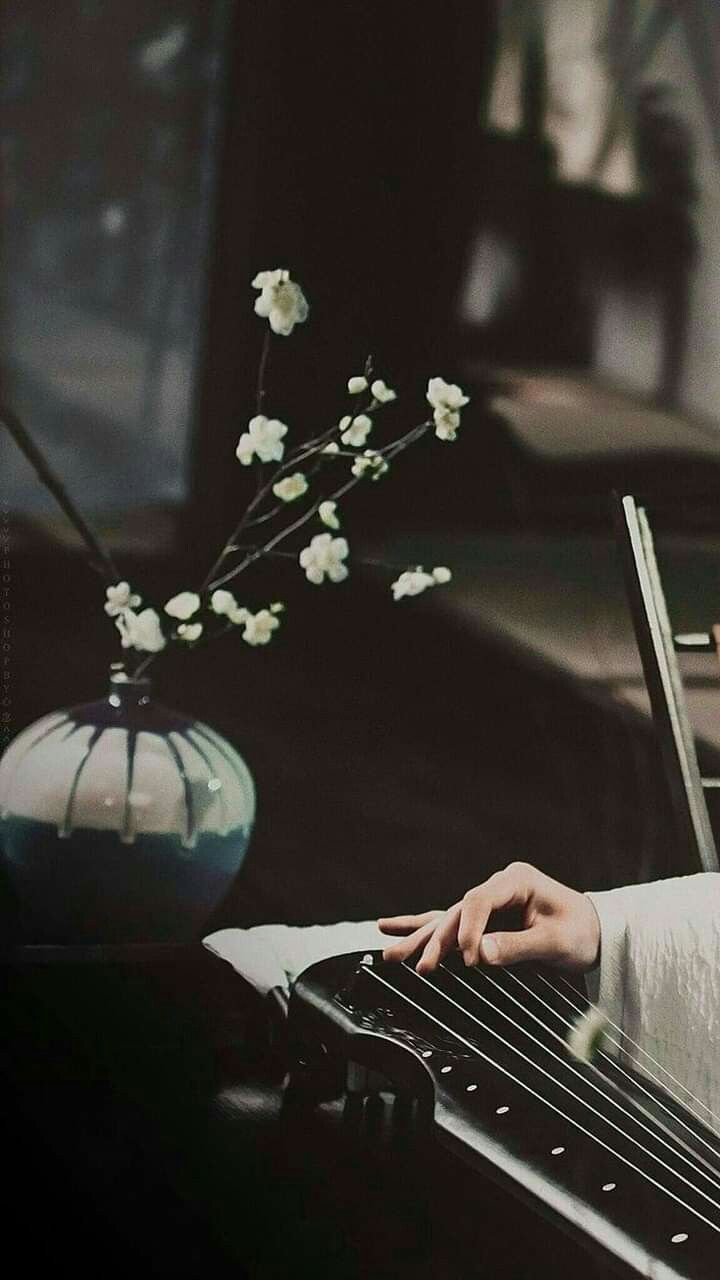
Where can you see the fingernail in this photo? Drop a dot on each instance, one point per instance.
(490, 950)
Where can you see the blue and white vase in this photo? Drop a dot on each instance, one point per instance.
(122, 821)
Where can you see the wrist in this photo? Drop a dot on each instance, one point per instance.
(592, 935)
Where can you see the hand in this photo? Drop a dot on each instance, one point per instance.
(560, 926)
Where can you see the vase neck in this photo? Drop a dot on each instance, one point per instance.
(126, 692)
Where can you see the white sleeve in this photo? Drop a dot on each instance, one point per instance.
(271, 956)
(659, 981)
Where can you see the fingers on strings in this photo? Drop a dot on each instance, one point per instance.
(435, 934)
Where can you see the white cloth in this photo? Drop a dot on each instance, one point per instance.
(271, 956)
(659, 981)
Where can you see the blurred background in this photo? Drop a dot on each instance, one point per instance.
(522, 197)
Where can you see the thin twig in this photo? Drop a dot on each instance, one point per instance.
(262, 368)
(260, 399)
(280, 506)
(100, 559)
(142, 668)
(399, 445)
(252, 506)
(304, 451)
(396, 567)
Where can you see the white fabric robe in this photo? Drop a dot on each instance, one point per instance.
(659, 982)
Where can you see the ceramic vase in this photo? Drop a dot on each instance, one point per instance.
(121, 821)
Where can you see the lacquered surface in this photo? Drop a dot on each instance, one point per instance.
(486, 1053)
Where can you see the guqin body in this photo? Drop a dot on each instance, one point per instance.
(625, 1165)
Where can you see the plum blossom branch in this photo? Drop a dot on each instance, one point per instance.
(309, 449)
(439, 574)
(286, 474)
(279, 537)
(391, 451)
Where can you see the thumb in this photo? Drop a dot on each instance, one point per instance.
(514, 948)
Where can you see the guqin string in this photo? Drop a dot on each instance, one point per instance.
(697, 1134)
(568, 1066)
(671, 1144)
(546, 1101)
(643, 1052)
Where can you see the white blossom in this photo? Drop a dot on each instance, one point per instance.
(277, 607)
(120, 597)
(371, 463)
(447, 399)
(332, 448)
(355, 431)
(259, 627)
(141, 631)
(327, 513)
(291, 487)
(221, 602)
(411, 583)
(414, 581)
(262, 439)
(183, 606)
(381, 392)
(190, 631)
(447, 422)
(324, 556)
(281, 301)
(238, 614)
(356, 385)
(224, 604)
(445, 395)
(585, 1037)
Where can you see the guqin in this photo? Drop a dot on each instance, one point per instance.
(626, 1162)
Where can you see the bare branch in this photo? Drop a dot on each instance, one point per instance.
(99, 558)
